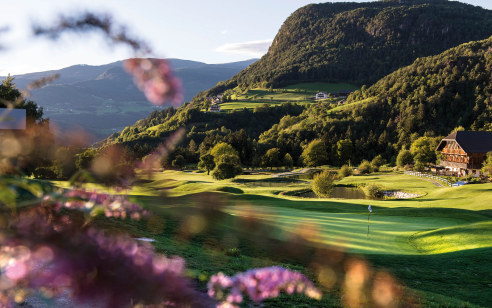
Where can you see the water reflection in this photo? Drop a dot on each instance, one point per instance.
(342, 193)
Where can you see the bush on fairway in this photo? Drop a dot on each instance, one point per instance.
(323, 184)
(404, 158)
(345, 171)
(364, 167)
(374, 190)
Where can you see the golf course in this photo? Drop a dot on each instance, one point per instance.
(437, 245)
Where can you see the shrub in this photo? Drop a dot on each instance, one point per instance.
(50, 173)
(378, 161)
(323, 184)
(233, 252)
(178, 162)
(364, 167)
(345, 171)
(404, 158)
(374, 190)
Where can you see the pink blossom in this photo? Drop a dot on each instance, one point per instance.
(155, 78)
(260, 284)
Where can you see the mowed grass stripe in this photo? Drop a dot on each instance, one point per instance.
(388, 234)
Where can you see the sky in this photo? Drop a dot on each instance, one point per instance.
(210, 31)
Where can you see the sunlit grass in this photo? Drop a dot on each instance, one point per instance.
(387, 234)
(448, 239)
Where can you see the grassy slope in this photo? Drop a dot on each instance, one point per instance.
(256, 97)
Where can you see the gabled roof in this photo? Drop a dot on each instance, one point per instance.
(470, 142)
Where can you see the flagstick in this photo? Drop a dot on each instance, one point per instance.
(368, 223)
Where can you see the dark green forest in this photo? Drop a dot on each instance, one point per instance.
(360, 43)
(431, 97)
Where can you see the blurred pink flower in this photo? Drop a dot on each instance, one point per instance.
(155, 79)
(260, 284)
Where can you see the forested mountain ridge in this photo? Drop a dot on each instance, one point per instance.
(360, 43)
(431, 97)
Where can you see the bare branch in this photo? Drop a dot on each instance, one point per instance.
(38, 83)
(89, 22)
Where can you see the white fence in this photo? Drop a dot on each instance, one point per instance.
(430, 176)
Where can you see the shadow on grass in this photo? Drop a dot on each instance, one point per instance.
(196, 229)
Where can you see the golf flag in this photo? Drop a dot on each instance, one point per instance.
(370, 209)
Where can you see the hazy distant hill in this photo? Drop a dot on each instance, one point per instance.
(103, 99)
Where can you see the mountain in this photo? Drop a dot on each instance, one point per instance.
(431, 97)
(103, 99)
(441, 90)
(359, 43)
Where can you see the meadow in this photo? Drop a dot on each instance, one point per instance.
(301, 93)
(437, 245)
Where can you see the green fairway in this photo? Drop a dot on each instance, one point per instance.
(438, 244)
(388, 234)
(467, 236)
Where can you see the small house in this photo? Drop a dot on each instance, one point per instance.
(219, 96)
(465, 152)
(215, 108)
(325, 95)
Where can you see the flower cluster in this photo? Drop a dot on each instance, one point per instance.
(48, 256)
(92, 202)
(259, 284)
(155, 78)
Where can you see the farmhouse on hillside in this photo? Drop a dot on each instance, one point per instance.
(215, 108)
(324, 95)
(464, 152)
(345, 93)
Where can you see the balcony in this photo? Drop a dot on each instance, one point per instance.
(449, 151)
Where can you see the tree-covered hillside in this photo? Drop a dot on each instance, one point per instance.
(431, 97)
(360, 43)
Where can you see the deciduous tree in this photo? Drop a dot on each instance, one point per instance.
(315, 154)
(207, 163)
(288, 161)
(222, 149)
(228, 167)
(323, 184)
(270, 159)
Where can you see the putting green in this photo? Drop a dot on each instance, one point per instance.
(467, 236)
(387, 234)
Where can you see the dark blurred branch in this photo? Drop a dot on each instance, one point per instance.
(89, 22)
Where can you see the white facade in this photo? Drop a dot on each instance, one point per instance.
(215, 108)
(321, 95)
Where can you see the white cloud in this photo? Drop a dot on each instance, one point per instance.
(254, 48)
(224, 32)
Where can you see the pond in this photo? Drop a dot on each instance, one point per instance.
(270, 183)
(342, 193)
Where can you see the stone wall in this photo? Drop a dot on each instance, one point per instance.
(399, 194)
